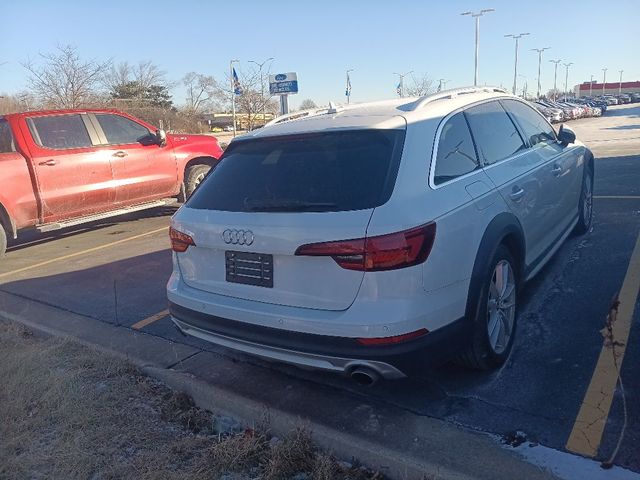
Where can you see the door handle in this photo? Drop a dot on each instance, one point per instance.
(120, 154)
(50, 163)
(517, 194)
(556, 170)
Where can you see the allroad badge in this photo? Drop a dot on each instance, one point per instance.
(237, 237)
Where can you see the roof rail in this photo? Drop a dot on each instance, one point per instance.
(332, 109)
(452, 93)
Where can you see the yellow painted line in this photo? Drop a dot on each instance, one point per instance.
(588, 428)
(83, 252)
(150, 320)
(618, 197)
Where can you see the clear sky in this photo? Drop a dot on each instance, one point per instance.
(321, 39)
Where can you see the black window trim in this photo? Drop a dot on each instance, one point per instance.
(103, 136)
(38, 141)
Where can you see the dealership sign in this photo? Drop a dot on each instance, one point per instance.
(283, 83)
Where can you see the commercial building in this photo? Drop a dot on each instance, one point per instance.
(609, 88)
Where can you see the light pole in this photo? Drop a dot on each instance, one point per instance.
(539, 50)
(347, 92)
(515, 68)
(233, 94)
(477, 16)
(620, 86)
(260, 65)
(566, 77)
(402, 75)
(524, 87)
(591, 86)
(555, 78)
(604, 79)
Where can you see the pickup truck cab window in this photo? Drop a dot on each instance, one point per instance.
(60, 132)
(122, 131)
(6, 139)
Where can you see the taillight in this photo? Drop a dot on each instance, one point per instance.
(383, 252)
(379, 341)
(180, 241)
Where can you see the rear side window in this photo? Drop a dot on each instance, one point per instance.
(313, 172)
(6, 138)
(535, 127)
(456, 154)
(122, 131)
(495, 134)
(60, 131)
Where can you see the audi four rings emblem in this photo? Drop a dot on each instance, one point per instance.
(237, 237)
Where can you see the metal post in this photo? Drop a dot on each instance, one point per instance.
(477, 16)
(591, 86)
(539, 50)
(515, 67)
(566, 77)
(604, 79)
(233, 95)
(402, 75)
(348, 86)
(284, 104)
(620, 86)
(555, 78)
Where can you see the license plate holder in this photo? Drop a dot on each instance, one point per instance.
(249, 268)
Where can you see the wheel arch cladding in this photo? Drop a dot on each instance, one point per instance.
(504, 229)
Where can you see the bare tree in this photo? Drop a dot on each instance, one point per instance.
(63, 79)
(420, 86)
(136, 80)
(308, 104)
(201, 92)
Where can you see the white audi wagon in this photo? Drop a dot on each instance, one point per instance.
(376, 239)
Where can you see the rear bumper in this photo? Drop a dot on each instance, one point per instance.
(322, 352)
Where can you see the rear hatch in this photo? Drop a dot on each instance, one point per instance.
(268, 196)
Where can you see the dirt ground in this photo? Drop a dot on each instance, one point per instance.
(71, 412)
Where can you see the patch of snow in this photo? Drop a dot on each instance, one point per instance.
(570, 467)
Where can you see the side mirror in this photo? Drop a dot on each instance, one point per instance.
(566, 135)
(161, 136)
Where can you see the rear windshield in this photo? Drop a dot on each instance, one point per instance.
(315, 172)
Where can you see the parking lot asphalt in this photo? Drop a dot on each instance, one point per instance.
(115, 272)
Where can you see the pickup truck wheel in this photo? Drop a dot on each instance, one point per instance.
(193, 176)
(3, 241)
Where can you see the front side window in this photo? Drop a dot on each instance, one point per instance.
(310, 172)
(122, 131)
(6, 139)
(495, 134)
(456, 155)
(535, 127)
(60, 131)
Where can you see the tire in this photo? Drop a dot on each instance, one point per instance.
(585, 207)
(3, 241)
(193, 175)
(490, 350)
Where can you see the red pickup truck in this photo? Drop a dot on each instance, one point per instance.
(66, 167)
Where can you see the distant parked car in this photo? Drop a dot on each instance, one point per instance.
(375, 239)
(228, 128)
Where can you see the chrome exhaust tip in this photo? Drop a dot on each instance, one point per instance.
(365, 376)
